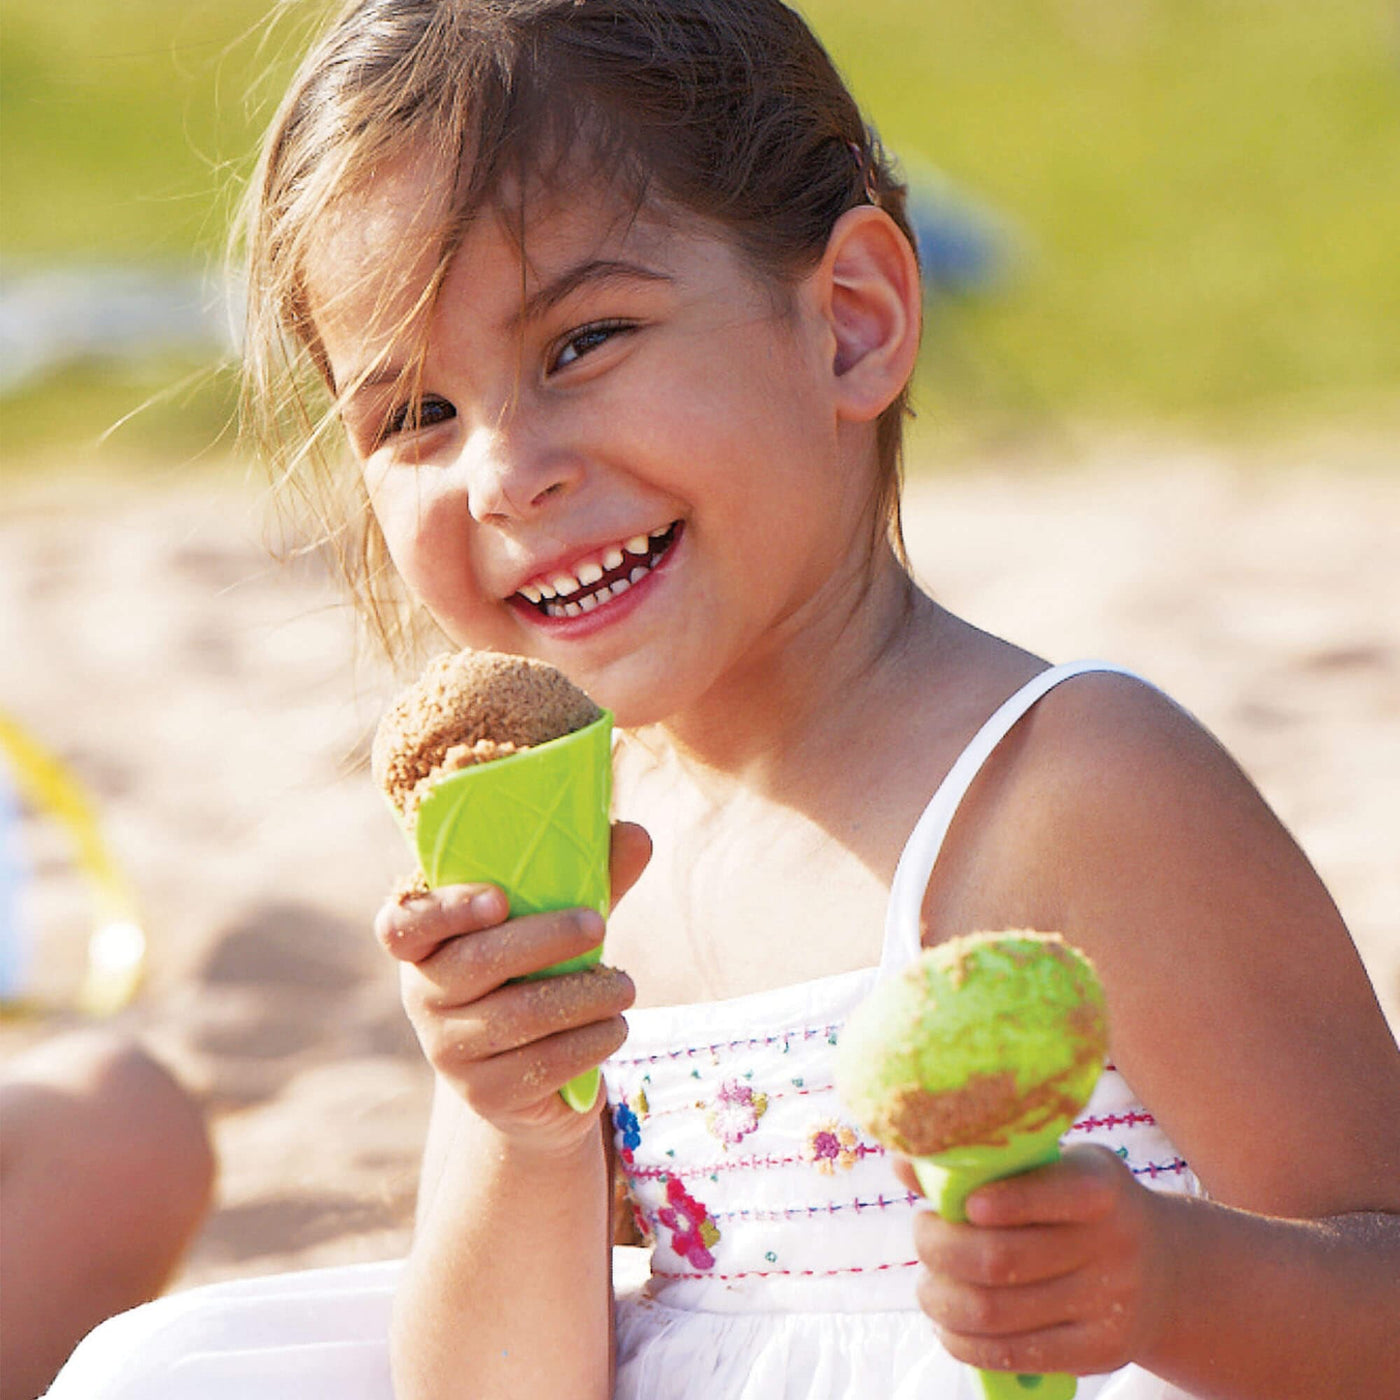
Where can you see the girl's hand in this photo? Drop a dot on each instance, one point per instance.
(1058, 1269)
(507, 1047)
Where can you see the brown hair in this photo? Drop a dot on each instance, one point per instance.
(727, 109)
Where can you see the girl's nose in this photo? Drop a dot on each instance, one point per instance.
(512, 477)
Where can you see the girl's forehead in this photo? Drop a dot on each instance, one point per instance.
(384, 234)
(377, 254)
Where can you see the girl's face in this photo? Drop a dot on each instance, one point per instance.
(619, 457)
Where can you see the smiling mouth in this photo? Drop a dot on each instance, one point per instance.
(605, 576)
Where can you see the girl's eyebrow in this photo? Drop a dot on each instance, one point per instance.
(592, 272)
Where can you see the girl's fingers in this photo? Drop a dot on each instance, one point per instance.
(631, 850)
(515, 1081)
(465, 969)
(991, 1258)
(509, 1045)
(412, 929)
(1056, 1273)
(1080, 1322)
(974, 1310)
(1084, 1185)
(515, 1016)
(1070, 1347)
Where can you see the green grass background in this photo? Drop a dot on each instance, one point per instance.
(1207, 195)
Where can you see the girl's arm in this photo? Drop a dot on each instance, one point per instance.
(508, 1292)
(1078, 1268)
(1242, 1017)
(508, 1287)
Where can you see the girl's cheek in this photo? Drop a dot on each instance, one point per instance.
(424, 530)
(380, 495)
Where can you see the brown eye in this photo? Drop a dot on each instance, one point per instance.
(411, 417)
(587, 338)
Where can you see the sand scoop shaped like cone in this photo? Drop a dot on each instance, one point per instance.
(947, 1179)
(537, 825)
(972, 1062)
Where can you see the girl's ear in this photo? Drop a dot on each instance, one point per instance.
(872, 300)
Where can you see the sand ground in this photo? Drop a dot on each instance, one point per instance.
(207, 697)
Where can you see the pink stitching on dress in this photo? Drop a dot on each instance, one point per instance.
(689, 1052)
(792, 1273)
(861, 1149)
(1115, 1120)
(1153, 1170)
(826, 1208)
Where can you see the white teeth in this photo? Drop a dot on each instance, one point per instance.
(563, 586)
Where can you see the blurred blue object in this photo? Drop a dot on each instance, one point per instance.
(965, 247)
(15, 949)
(52, 317)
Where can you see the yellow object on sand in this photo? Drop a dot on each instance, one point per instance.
(117, 948)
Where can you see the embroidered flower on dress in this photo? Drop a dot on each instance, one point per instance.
(639, 1220)
(629, 1131)
(831, 1145)
(692, 1230)
(735, 1112)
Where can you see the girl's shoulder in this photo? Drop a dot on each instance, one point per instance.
(1112, 716)
(1227, 964)
(1110, 797)
(1123, 790)
(1101, 752)
(1109, 746)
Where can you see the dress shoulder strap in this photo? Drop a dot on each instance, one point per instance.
(902, 922)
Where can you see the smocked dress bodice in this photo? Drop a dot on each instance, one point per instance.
(751, 1180)
(782, 1261)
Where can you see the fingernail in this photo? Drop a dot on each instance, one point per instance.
(486, 905)
(590, 922)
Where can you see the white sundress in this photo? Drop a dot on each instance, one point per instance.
(782, 1264)
(781, 1267)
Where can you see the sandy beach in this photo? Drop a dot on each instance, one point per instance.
(209, 698)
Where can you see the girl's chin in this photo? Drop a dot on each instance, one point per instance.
(633, 706)
(644, 689)
(640, 686)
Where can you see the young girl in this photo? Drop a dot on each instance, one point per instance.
(617, 305)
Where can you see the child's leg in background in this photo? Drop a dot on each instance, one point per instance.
(106, 1171)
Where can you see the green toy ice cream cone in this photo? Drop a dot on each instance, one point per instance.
(500, 770)
(536, 824)
(973, 1062)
